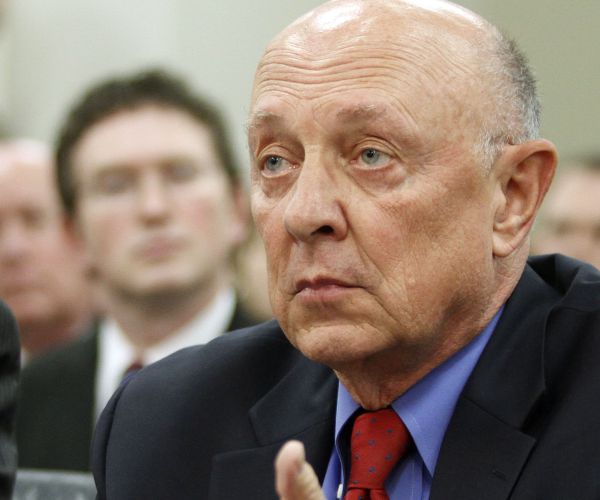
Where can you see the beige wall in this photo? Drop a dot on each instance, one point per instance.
(562, 40)
(58, 47)
(52, 49)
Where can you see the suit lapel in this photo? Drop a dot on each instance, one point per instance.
(481, 457)
(56, 431)
(486, 445)
(301, 406)
(79, 424)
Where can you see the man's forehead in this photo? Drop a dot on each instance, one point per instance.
(358, 16)
(25, 169)
(24, 152)
(341, 116)
(27, 181)
(422, 64)
(411, 30)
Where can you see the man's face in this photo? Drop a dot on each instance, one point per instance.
(154, 205)
(376, 215)
(571, 218)
(40, 269)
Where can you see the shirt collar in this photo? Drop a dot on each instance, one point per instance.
(116, 352)
(207, 325)
(426, 408)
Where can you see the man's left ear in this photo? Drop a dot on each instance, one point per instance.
(523, 174)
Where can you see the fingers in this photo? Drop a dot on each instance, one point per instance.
(295, 479)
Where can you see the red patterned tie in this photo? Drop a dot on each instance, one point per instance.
(135, 366)
(379, 440)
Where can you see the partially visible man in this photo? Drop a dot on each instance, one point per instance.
(146, 175)
(42, 269)
(9, 380)
(569, 222)
(396, 172)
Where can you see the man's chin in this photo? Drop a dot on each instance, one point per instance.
(333, 345)
(30, 307)
(163, 290)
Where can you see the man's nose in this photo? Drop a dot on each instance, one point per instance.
(315, 207)
(153, 199)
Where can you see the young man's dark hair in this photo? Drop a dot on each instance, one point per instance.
(152, 87)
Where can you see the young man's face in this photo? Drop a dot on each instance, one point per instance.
(154, 204)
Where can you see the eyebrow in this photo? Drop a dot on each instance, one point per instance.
(263, 118)
(362, 112)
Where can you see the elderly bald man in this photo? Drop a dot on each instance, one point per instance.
(396, 173)
(42, 269)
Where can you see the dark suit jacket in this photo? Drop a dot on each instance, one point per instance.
(9, 379)
(55, 419)
(206, 423)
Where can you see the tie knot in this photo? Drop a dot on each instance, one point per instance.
(133, 367)
(379, 440)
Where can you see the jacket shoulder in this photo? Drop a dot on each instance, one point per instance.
(71, 359)
(576, 283)
(251, 351)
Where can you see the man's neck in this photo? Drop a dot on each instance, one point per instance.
(376, 382)
(375, 387)
(148, 321)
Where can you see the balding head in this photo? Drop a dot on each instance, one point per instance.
(26, 178)
(442, 50)
(28, 152)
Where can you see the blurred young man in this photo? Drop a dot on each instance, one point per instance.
(150, 185)
(42, 275)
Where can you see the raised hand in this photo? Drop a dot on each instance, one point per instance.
(295, 479)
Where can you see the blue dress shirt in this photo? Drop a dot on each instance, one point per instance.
(425, 409)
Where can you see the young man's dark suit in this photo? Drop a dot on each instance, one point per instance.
(10, 353)
(57, 400)
(206, 423)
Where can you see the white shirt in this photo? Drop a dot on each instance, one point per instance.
(116, 352)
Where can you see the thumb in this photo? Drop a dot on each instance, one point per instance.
(295, 479)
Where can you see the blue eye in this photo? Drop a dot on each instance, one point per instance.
(371, 156)
(274, 165)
